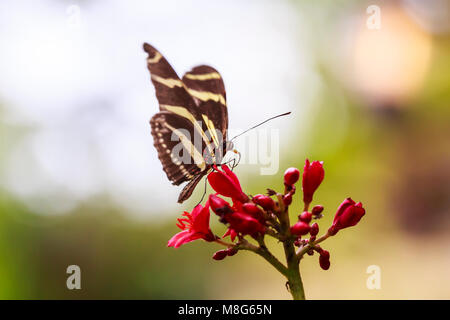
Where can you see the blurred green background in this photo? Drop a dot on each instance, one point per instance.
(81, 183)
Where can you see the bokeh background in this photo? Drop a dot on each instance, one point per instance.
(80, 182)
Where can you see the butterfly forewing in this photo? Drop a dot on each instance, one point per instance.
(206, 86)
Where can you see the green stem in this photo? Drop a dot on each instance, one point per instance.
(311, 245)
(266, 254)
(295, 282)
(293, 268)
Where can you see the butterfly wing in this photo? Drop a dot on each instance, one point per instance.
(180, 158)
(181, 124)
(205, 85)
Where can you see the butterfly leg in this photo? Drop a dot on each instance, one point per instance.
(236, 163)
(204, 192)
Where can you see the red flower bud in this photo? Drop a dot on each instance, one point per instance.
(265, 202)
(300, 228)
(313, 174)
(291, 176)
(220, 255)
(244, 223)
(226, 184)
(253, 210)
(314, 229)
(305, 216)
(219, 206)
(324, 259)
(348, 214)
(287, 199)
(317, 210)
(231, 252)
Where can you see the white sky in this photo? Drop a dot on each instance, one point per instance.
(80, 81)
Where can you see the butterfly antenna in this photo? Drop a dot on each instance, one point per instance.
(280, 115)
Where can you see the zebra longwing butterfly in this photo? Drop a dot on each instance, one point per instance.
(190, 131)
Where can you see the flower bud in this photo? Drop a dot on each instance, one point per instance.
(220, 255)
(287, 199)
(231, 252)
(300, 228)
(219, 206)
(317, 210)
(324, 259)
(244, 223)
(226, 184)
(253, 210)
(264, 201)
(291, 176)
(348, 214)
(305, 216)
(313, 174)
(314, 229)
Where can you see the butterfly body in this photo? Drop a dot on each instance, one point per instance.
(190, 130)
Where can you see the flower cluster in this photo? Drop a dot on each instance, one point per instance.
(254, 217)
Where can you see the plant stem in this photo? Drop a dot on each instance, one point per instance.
(295, 281)
(311, 245)
(224, 243)
(266, 254)
(293, 269)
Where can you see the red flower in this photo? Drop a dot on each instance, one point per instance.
(227, 184)
(313, 174)
(348, 214)
(195, 226)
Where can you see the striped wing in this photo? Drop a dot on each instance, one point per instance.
(187, 121)
(206, 86)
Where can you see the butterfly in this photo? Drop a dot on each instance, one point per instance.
(190, 130)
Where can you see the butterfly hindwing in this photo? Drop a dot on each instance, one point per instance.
(170, 132)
